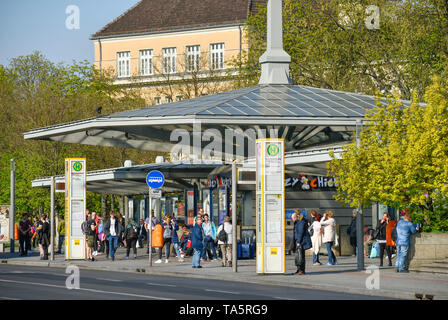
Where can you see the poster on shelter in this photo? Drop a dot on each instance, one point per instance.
(4, 222)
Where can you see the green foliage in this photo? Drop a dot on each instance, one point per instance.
(34, 93)
(331, 46)
(402, 159)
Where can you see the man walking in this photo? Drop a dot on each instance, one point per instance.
(112, 229)
(90, 236)
(197, 239)
(141, 233)
(404, 229)
(303, 241)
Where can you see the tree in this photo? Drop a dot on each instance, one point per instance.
(35, 92)
(333, 45)
(402, 160)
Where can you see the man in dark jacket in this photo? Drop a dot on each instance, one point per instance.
(43, 236)
(112, 229)
(141, 233)
(302, 240)
(197, 239)
(351, 231)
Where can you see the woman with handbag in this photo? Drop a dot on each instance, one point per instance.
(380, 236)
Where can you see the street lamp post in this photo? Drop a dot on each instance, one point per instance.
(359, 214)
(12, 206)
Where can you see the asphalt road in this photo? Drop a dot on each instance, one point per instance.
(37, 283)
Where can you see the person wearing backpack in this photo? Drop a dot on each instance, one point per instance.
(225, 242)
(404, 230)
(131, 235)
(167, 239)
(175, 239)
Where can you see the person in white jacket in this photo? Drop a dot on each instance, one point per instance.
(226, 245)
(316, 239)
(328, 225)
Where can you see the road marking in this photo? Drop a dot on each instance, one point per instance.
(85, 289)
(113, 280)
(281, 298)
(8, 298)
(221, 291)
(161, 284)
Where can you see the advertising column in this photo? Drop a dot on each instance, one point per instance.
(270, 206)
(75, 208)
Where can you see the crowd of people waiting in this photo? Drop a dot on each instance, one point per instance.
(204, 240)
(390, 236)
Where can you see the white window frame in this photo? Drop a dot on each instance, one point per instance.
(169, 60)
(157, 100)
(179, 98)
(192, 58)
(168, 99)
(217, 56)
(123, 64)
(146, 62)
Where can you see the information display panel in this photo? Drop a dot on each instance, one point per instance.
(270, 205)
(75, 208)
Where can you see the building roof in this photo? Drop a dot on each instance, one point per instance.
(149, 16)
(305, 116)
(132, 180)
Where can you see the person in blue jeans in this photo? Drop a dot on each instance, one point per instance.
(112, 229)
(209, 237)
(328, 225)
(404, 230)
(197, 238)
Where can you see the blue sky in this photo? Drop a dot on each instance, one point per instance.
(29, 25)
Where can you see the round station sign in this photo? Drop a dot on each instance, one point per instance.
(155, 179)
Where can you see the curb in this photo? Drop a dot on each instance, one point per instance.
(376, 293)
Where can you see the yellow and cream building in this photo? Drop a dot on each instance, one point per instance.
(175, 49)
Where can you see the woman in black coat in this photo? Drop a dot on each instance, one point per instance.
(380, 236)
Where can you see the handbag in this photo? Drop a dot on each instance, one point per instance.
(189, 244)
(373, 252)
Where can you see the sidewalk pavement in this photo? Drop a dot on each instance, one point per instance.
(343, 277)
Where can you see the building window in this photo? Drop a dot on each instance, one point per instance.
(157, 100)
(179, 98)
(192, 58)
(168, 99)
(217, 56)
(146, 62)
(169, 60)
(123, 64)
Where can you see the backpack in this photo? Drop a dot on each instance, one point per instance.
(84, 228)
(133, 231)
(167, 233)
(222, 235)
(393, 234)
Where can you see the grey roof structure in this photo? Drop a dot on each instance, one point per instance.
(132, 180)
(305, 117)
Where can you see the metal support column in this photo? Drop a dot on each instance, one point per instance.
(12, 206)
(359, 215)
(52, 220)
(234, 220)
(150, 231)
